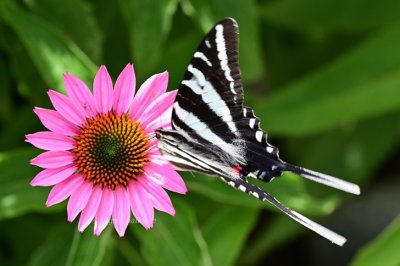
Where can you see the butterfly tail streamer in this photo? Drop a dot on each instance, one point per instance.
(264, 196)
(322, 178)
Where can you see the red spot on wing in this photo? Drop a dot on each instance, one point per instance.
(237, 169)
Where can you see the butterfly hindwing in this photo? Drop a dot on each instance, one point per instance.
(264, 196)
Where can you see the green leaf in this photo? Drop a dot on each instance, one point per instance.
(288, 189)
(270, 237)
(149, 23)
(174, 240)
(361, 84)
(384, 250)
(116, 39)
(50, 50)
(30, 84)
(17, 197)
(64, 247)
(129, 251)
(226, 233)
(335, 15)
(5, 93)
(31, 230)
(177, 55)
(22, 122)
(209, 12)
(354, 152)
(88, 249)
(75, 18)
(55, 249)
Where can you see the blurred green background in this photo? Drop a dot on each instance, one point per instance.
(324, 77)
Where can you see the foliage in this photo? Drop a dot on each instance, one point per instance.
(324, 77)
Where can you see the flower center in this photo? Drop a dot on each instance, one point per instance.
(110, 150)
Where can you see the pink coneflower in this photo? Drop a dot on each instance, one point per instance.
(101, 150)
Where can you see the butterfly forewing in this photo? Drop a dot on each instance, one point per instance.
(211, 90)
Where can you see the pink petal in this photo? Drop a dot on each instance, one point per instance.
(53, 159)
(158, 159)
(55, 122)
(103, 91)
(162, 121)
(90, 210)
(121, 212)
(158, 107)
(153, 145)
(158, 196)
(49, 177)
(154, 153)
(104, 211)
(51, 141)
(124, 90)
(141, 205)
(64, 189)
(80, 93)
(148, 92)
(166, 177)
(78, 200)
(74, 113)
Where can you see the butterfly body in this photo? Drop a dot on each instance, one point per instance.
(192, 155)
(213, 133)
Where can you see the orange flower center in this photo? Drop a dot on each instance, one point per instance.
(111, 150)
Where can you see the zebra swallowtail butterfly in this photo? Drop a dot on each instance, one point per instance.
(212, 133)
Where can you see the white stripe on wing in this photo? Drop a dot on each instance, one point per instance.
(199, 85)
(222, 56)
(201, 129)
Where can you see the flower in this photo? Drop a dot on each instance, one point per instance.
(102, 153)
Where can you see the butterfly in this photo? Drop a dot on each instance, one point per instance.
(214, 134)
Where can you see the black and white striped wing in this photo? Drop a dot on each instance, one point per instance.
(209, 103)
(209, 108)
(210, 95)
(208, 113)
(258, 193)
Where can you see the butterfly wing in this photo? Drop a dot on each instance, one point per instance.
(209, 108)
(254, 191)
(209, 122)
(211, 92)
